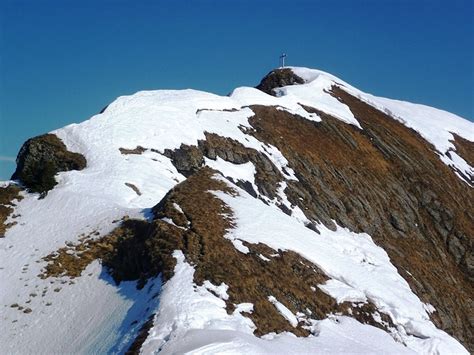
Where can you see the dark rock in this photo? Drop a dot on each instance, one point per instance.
(284, 209)
(41, 158)
(247, 186)
(187, 159)
(277, 79)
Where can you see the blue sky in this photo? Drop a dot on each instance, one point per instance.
(63, 61)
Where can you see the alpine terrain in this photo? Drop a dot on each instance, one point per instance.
(300, 216)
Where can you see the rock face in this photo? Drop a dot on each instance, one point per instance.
(277, 79)
(41, 158)
(188, 159)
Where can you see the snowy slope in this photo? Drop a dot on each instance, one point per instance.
(93, 315)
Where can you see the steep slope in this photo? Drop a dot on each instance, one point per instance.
(305, 208)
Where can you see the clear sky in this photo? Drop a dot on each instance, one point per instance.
(62, 61)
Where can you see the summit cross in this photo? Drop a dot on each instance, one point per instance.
(282, 60)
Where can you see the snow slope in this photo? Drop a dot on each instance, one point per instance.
(93, 315)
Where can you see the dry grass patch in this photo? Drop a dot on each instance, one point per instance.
(8, 195)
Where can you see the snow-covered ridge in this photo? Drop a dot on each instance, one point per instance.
(434, 125)
(90, 200)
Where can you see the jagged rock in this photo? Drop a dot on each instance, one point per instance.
(187, 159)
(41, 158)
(277, 79)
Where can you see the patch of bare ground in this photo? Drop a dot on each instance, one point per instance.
(72, 259)
(123, 252)
(134, 188)
(188, 159)
(387, 181)
(464, 148)
(8, 195)
(138, 150)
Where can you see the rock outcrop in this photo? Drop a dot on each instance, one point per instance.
(41, 158)
(277, 79)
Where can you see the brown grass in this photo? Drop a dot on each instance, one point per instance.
(138, 250)
(8, 195)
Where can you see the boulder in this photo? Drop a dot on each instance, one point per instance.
(41, 158)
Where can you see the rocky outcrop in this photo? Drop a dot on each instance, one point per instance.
(277, 79)
(41, 158)
(188, 159)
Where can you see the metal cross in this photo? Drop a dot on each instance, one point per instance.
(282, 60)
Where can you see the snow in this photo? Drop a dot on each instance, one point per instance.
(284, 311)
(315, 94)
(178, 208)
(193, 320)
(185, 307)
(90, 324)
(244, 172)
(220, 290)
(342, 292)
(100, 314)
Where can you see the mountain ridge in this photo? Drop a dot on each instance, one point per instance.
(317, 154)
